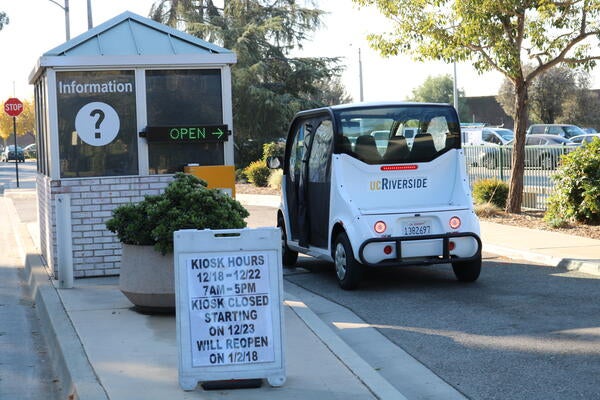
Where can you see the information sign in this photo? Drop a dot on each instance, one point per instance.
(186, 134)
(229, 311)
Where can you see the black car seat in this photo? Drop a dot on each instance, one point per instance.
(397, 150)
(366, 149)
(423, 148)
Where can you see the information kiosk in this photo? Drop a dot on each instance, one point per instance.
(119, 110)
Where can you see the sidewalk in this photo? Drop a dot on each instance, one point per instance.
(104, 350)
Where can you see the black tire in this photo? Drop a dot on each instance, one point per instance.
(489, 162)
(467, 271)
(289, 257)
(347, 270)
(547, 162)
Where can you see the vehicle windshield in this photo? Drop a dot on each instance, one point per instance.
(506, 134)
(572, 130)
(397, 134)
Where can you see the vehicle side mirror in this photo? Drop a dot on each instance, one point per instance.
(274, 162)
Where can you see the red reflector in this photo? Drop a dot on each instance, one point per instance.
(388, 249)
(451, 246)
(399, 167)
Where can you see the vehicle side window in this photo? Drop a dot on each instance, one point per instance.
(555, 130)
(297, 152)
(532, 141)
(537, 129)
(320, 152)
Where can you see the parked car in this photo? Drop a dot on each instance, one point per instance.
(30, 151)
(581, 139)
(10, 154)
(541, 151)
(589, 130)
(563, 130)
(476, 135)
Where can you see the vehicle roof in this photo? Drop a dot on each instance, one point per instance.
(548, 136)
(350, 106)
(552, 125)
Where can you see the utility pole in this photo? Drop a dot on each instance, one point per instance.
(67, 22)
(360, 75)
(89, 14)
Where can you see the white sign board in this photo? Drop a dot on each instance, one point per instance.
(228, 286)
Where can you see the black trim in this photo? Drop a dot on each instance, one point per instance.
(398, 261)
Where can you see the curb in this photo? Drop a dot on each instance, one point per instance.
(377, 384)
(69, 360)
(563, 264)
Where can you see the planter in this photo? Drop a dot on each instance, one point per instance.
(147, 279)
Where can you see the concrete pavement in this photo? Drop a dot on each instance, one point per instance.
(104, 350)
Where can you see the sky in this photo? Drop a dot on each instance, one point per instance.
(37, 26)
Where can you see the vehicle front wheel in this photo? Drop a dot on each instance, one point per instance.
(467, 271)
(348, 270)
(289, 257)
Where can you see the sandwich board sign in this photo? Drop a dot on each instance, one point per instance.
(228, 286)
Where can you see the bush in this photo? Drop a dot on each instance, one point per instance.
(185, 204)
(576, 193)
(275, 179)
(273, 149)
(487, 210)
(258, 173)
(490, 191)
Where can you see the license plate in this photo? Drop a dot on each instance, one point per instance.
(416, 228)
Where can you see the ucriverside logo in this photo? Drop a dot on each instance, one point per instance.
(399, 183)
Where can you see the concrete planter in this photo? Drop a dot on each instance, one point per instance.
(147, 279)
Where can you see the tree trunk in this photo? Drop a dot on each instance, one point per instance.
(515, 193)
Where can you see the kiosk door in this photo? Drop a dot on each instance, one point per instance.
(308, 180)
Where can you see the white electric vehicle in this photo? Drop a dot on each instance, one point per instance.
(362, 203)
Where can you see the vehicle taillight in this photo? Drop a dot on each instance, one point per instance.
(454, 222)
(380, 227)
(388, 249)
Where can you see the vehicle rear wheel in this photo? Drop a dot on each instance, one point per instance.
(348, 270)
(289, 257)
(467, 271)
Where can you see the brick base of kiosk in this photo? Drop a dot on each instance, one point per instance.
(228, 286)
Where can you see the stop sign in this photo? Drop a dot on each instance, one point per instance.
(13, 107)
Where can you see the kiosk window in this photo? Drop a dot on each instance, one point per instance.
(97, 127)
(178, 98)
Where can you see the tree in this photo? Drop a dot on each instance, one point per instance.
(269, 86)
(25, 122)
(440, 89)
(548, 94)
(3, 19)
(501, 35)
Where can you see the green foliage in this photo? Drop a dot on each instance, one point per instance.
(258, 173)
(276, 178)
(576, 194)
(269, 85)
(440, 89)
(492, 191)
(273, 149)
(185, 204)
(494, 35)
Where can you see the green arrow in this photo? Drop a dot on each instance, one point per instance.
(219, 133)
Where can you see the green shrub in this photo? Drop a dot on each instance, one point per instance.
(576, 193)
(273, 149)
(490, 191)
(258, 173)
(186, 203)
(275, 178)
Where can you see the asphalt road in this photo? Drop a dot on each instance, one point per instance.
(520, 332)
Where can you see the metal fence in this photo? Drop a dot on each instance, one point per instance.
(485, 162)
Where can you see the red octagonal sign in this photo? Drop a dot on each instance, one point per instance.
(13, 107)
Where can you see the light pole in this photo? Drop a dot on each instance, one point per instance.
(89, 14)
(455, 90)
(67, 23)
(360, 75)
